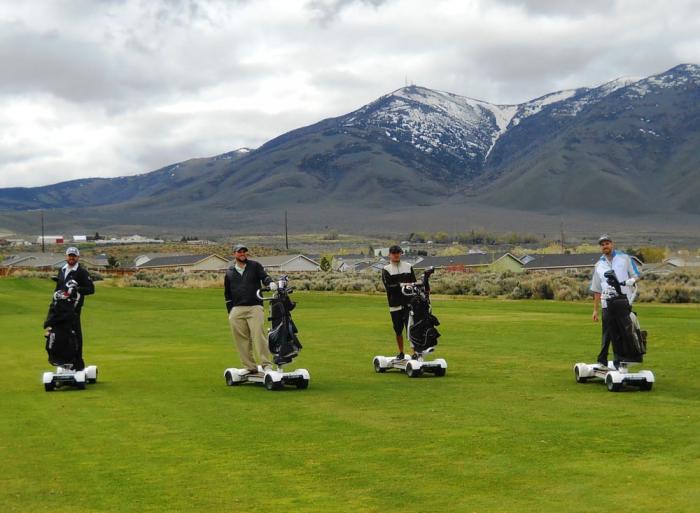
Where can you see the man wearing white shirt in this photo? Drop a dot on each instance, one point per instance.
(626, 272)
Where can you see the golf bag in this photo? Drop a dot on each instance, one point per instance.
(628, 340)
(282, 337)
(62, 343)
(422, 330)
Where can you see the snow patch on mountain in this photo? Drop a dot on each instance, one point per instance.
(448, 125)
(436, 122)
(680, 76)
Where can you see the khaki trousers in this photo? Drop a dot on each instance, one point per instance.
(248, 330)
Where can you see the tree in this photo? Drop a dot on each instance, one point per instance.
(652, 254)
(112, 262)
(441, 237)
(453, 250)
(331, 235)
(325, 264)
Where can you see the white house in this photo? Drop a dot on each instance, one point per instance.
(50, 239)
(184, 263)
(288, 263)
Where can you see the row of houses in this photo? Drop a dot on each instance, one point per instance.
(50, 261)
(159, 261)
(79, 239)
(345, 263)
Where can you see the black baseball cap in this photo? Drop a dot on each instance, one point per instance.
(395, 249)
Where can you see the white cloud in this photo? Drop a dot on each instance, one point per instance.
(124, 87)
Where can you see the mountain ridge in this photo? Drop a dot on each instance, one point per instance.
(629, 146)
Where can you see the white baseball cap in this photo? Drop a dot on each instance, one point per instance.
(73, 251)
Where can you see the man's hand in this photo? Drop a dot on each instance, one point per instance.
(595, 315)
(273, 286)
(630, 282)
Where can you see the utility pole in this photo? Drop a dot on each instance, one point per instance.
(561, 229)
(43, 248)
(286, 233)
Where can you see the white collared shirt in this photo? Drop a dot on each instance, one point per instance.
(624, 268)
(66, 269)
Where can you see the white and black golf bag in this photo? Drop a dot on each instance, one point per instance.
(422, 331)
(282, 337)
(62, 342)
(628, 340)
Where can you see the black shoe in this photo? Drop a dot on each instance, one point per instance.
(604, 363)
(414, 356)
(400, 356)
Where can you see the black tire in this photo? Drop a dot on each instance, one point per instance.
(579, 379)
(411, 372)
(270, 384)
(377, 366)
(50, 387)
(440, 371)
(612, 386)
(229, 380)
(92, 381)
(80, 385)
(303, 384)
(646, 385)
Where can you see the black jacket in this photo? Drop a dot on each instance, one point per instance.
(240, 290)
(392, 277)
(85, 285)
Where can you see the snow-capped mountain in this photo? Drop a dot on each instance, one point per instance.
(627, 146)
(443, 125)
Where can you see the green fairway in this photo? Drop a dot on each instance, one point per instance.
(507, 430)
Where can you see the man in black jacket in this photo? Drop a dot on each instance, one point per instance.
(394, 274)
(245, 309)
(74, 277)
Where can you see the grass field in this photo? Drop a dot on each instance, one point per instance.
(507, 430)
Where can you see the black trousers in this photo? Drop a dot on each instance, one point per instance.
(399, 320)
(606, 338)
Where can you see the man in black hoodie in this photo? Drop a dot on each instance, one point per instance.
(74, 277)
(394, 274)
(245, 310)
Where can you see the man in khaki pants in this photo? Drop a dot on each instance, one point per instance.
(245, 310)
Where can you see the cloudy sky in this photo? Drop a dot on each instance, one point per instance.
(108, 88)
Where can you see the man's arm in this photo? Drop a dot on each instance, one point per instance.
(632, 269)
(597, 288)
(227, 293)
(596, 305)
(263, 276)
(85, 284)
(413, 275)
(385, 279)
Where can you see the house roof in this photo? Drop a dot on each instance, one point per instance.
(34, 260)
(354, 256)
(540, 261)
(684, 261)
(178, 260)
(369, 266)
(471, 260)
(280, 260)
(49, 260)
